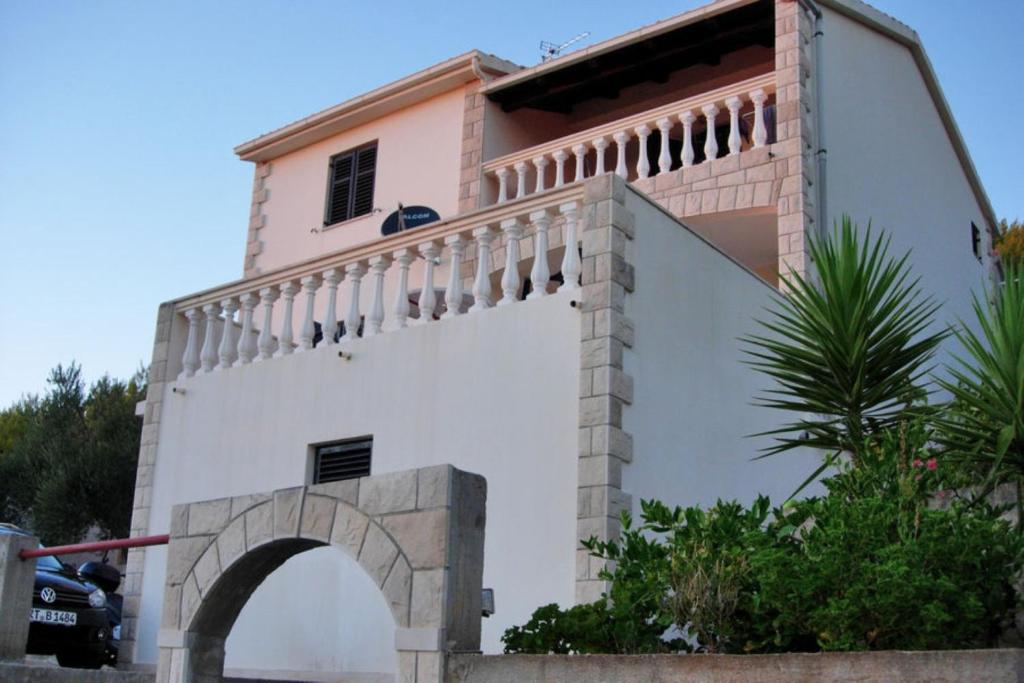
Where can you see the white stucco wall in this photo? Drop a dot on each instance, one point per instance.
(692, 413)
(488, 392)
(890, 161)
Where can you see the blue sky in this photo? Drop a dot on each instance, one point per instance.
(118, 188)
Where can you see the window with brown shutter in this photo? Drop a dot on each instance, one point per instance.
(350, 184)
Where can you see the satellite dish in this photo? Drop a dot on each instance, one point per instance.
(407, 218)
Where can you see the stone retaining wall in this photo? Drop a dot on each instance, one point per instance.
(990, 666)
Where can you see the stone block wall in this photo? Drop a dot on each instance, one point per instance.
(158, 377)
(419, 534)
(605, 389)
(257, 219)
(470, 174)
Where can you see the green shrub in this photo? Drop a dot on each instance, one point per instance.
(861, 579)
(628, 619)
(872, 564)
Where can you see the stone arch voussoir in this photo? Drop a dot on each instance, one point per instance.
(418, 534)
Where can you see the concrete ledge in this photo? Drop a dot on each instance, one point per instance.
(992, 666)
(48, 673)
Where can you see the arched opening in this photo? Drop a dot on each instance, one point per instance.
(316, 617)
(228, 597)
(417, 535)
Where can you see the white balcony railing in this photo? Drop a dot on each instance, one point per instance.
(265, 304)
(570, 153)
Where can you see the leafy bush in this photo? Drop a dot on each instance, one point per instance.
(628, 619)
(870, 565)
(1010, 242)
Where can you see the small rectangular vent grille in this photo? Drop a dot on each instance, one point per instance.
(344, 460)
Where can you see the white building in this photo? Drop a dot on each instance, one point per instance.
(574, 401)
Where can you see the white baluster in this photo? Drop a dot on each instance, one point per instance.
(228, 351)
(621, 138)
(541, 273)
(687, 118)
(208, 356)
(332, 277)
(540, 163)
(600, 145)
(286, 338)
(510, 281)
(734, 103)
(310, 283)
(710, 140)
(354, 272)
(190, 359)
(759, 97)
(571, 266)
(520, 179)
(379, 265)
(265, 343)
(643, 165)
(502, 174)
(246, 342)
(580, 152)
(560, 158)
(428, 298)
(404, 258)
(453, 294)
(665, 157)
(482, 284)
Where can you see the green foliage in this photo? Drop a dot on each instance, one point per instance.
(1009, 243)
(848, 351)
(875, 563)
(593, 628)
(710, 572)
(71, 459)
(983, 425)
(628, 619)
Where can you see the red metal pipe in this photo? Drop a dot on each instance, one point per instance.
(139, 542)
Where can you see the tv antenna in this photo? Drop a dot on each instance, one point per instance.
(551, 50)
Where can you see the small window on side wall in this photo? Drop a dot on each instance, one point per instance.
(976, 241)
(350, 184)
(349, 459)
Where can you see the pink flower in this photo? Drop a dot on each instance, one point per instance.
(917, 462)
(932, 464)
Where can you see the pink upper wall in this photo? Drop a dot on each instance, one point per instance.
(418, 162)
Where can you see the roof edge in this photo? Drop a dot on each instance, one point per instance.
(616, 42)
(901, 33)
(463, 68)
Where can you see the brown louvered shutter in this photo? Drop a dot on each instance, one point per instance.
(351, 186)
(341, 188)
(366, 166)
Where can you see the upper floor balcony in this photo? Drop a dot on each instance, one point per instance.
(721, 122)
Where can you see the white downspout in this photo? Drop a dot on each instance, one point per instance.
(821, 154)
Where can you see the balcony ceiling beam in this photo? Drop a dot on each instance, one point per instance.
(704, 42)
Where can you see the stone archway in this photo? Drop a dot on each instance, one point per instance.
(419, 534)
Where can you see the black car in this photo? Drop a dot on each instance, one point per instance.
(69, 614)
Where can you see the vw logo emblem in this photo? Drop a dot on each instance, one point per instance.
(48, 595)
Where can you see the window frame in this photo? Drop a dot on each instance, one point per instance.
(329, 193)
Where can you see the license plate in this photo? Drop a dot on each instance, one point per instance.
(54, 616)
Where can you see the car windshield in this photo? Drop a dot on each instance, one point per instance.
(49, 562)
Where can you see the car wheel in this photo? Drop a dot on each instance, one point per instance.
(74, 660)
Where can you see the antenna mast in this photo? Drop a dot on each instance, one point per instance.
(551, 50)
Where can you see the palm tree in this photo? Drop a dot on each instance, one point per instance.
(983, 425)
(850, 349)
